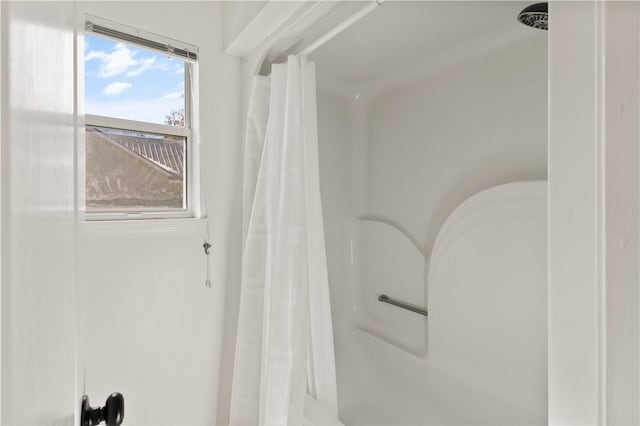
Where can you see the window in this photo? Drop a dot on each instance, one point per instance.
(138, 136)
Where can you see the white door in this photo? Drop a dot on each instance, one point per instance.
(38, 314)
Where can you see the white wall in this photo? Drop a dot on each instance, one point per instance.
(623, 213)
(150, 328)
(409, 158)
(593, 213)
(237, 15)
(38, 320)
(476, 125)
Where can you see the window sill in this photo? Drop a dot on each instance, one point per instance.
(186, 226)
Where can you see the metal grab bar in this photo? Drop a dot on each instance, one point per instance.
(386, 299)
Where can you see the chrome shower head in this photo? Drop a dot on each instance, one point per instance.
(535, 15)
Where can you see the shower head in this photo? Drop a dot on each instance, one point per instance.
(535, 15)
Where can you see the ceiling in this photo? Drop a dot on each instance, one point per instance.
(401, 34)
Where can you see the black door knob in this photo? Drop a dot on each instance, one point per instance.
(112, 413)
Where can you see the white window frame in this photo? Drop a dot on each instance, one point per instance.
(190, 180)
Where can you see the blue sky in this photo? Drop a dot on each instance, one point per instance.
(125, 81)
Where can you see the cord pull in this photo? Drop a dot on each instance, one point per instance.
(206, 246)
(207, 250)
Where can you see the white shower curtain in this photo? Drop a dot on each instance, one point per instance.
(284, 350)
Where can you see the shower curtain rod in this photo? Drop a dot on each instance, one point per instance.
(341, 27)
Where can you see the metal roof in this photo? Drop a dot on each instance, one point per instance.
(162, 152)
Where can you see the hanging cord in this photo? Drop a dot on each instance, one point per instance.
(204, 207)
(207, 250)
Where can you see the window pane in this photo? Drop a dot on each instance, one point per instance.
(125, 81)
(133, 171)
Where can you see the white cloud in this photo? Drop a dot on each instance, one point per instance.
(94, 55)
(151, 110)
(173, 95)
(116, 88)
(176, 93)
(121, 60)
(145, 64)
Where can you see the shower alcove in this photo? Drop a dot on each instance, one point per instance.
(437, 132)
(433, 163)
